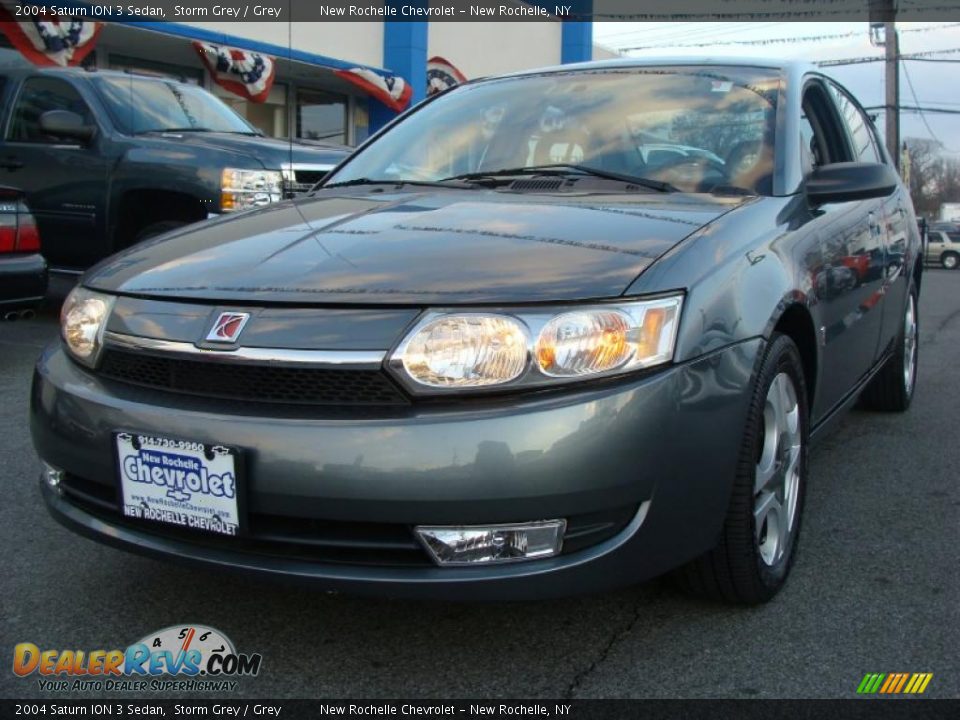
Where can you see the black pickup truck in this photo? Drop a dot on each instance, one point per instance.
(109, 158)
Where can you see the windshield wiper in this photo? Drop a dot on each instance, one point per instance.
(448, 182)
(566, 169)
(174, 130)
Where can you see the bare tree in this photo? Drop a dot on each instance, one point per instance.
(934, 178)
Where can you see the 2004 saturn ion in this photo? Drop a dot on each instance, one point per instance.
(548, 333)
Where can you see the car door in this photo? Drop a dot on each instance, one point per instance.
(895, 219)
(848, 277)
(64, 181)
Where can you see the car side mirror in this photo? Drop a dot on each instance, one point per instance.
(848, 181)
(66, 124)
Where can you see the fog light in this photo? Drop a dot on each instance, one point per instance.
(52, 476)
(473, 544)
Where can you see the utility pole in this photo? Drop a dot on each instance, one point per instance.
(891, 43)
(883, 14)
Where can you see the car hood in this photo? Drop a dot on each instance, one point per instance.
(272, 153)
(414, 247)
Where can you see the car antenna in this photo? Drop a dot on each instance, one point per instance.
(290, 173)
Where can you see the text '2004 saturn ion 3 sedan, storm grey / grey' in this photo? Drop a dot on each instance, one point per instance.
(547, 333)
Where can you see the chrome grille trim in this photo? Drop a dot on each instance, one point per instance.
(340, 359)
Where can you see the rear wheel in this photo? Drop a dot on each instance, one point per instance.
(752, 559)
(892, 388)
(950, 260)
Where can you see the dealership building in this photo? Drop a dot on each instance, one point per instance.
(330, 81)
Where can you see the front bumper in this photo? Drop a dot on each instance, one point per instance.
(664, 446)
(23, 280)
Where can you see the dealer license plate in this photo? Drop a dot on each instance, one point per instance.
(178, 482)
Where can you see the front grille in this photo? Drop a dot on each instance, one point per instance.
(291, 538)
(328, 541)
(302, 181)
(252, 382)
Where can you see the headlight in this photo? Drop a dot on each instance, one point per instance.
(246, 189)
(450, 350)
(466, 351)
(83, 319)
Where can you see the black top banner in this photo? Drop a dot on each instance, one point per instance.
(513, 709)
(486, 10)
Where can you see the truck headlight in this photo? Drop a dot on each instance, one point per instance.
(83, 319)
(477, 350)
(247, 189)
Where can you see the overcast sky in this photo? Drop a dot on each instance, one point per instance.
(936, 84)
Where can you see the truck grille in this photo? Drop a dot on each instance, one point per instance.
(252, 382)
(299, 180)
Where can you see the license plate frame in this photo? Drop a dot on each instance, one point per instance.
(202, 505)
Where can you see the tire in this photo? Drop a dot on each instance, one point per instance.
(949, 261)
(750, 564)
(158, 228)
(891, 389)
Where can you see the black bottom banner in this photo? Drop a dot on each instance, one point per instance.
(868, 709)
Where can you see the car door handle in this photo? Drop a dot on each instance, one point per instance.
(11, 163)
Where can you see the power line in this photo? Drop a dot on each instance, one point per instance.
(916, 108)
(780, 40)
(920, 111)
(881, 58)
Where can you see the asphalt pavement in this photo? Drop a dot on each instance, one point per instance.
(875, 587)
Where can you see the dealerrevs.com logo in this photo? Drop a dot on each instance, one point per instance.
(179, 658)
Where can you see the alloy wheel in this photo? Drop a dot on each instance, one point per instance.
(910, 345)
(777, 481)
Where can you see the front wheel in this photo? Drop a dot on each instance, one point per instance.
(892, 388)
(950, 261)
(752, 559)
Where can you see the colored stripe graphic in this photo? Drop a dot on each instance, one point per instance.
(894, 683)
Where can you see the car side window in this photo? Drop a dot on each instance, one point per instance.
(39, 95)
(859, 127)
(821, 137)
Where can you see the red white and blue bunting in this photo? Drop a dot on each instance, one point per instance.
(392, 90)
(243, 72)
(442, 75)
(54, 40)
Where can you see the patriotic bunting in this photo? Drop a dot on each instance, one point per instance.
(441, 75)
(242, 72)
(392, 90)
(52, 40)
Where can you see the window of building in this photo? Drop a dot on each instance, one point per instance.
(194, 76)
(270, 116)
(321, 116)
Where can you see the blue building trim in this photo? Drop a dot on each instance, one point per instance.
(404, 54)
(576, 43)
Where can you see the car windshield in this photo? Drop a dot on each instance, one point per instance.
(140, 105)
(696, 128)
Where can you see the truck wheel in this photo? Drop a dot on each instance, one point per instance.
(158, 228)
(950, 260)
(892, 388)
(752, 559)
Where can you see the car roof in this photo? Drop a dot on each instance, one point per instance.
(84, 72)
(787, 67)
